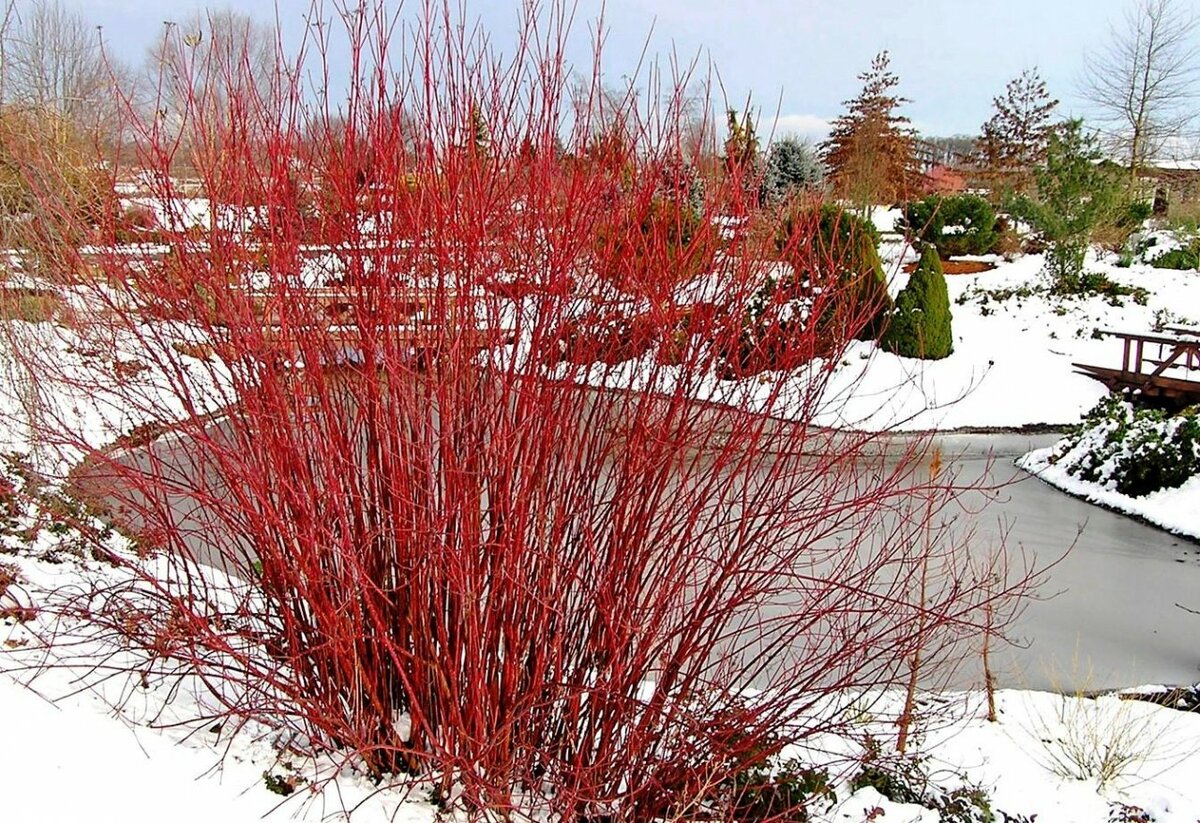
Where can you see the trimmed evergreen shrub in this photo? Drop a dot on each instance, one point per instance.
(844, 236)
(644, 240)
(955, 224)
(920, 326)
(922, 219)
(850, 245)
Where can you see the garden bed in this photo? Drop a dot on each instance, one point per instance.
(957, 267)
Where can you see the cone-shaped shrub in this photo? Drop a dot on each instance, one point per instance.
(920, 326)
(850, 245)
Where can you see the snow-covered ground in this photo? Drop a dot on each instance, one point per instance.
(1012, 360)
(1176, 509)
(68, 756)
(1014, 346)
(100, 746)
(1012, 367)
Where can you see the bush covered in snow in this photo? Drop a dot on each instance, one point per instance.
(955, 224)
(920, 326)
(905, 779)
(1132, 450)
(1166, 250)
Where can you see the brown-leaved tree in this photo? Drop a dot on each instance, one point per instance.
(870, 148)
(1014, 140)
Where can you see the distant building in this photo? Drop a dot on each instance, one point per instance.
(942, 179)
(1172, 182)
(942, 163)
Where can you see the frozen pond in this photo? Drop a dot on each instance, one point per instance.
(1108, 616)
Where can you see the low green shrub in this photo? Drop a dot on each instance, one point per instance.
(969, 804)
(1093, 283)
(278, 785)
(1177, 249)
(1132, 450)
(954, 224)
(842, 236)
(984, 297)
(641, 240)
(897, 785)
(902, 779)
(1113, 232)
(1087, 284)
(1134, 214)
(786, 792)
(1178, 259)
(775, 330)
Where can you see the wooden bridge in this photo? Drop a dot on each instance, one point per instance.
(1163, 365)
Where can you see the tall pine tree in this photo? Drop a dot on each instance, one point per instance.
(1075, 194)
(869, 152)
(1013, 142)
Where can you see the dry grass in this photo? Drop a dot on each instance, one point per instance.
(1095, 737)
(1184, 214)
(9, 574)
(31, 305)
(1101, 739)
(1111, 237)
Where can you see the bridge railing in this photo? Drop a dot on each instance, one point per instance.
(1175, 353)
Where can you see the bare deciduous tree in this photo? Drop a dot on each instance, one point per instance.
(6, 20)
(1013, 142)
(53, 62)
(1145, 84)
(206, 62)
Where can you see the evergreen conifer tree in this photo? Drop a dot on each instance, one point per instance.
(848, 245)
(1075, 194)
(791, 167)
(920, 326)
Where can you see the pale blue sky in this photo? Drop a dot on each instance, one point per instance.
(801, 56)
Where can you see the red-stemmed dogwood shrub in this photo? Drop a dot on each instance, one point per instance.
(466, 450)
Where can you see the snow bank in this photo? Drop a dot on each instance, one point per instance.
(1177, 509)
